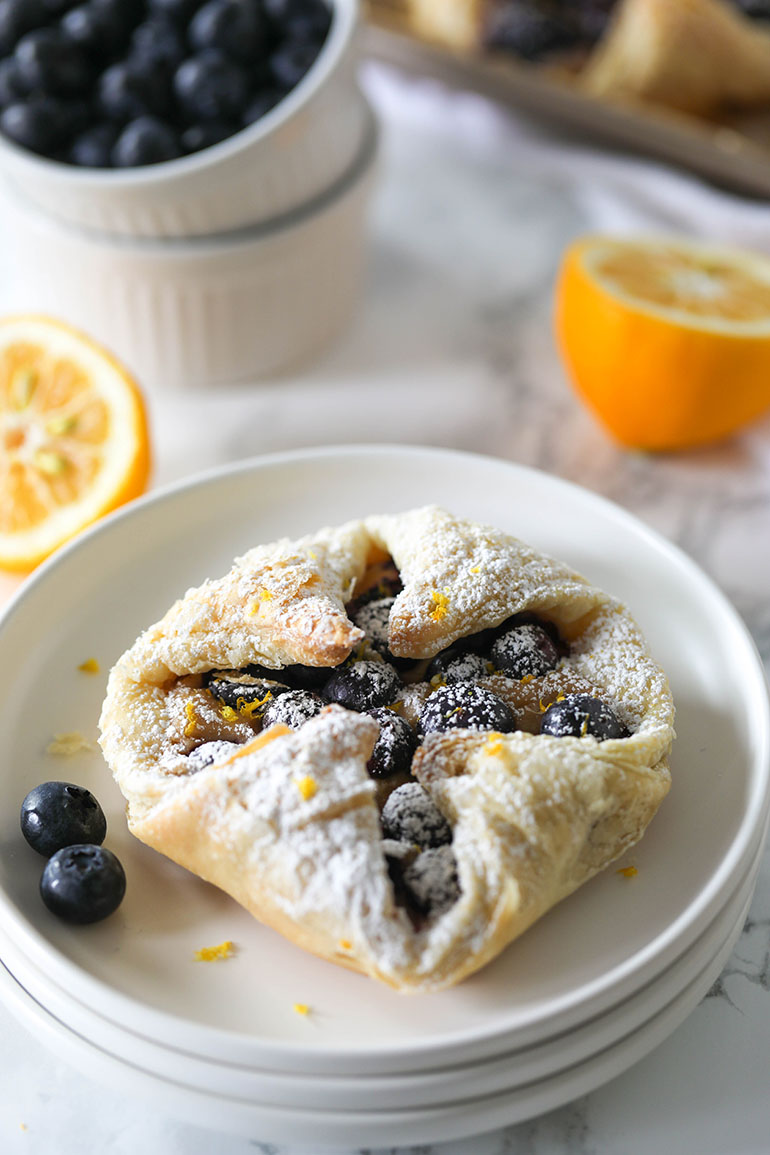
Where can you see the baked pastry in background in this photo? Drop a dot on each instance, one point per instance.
(399, 741)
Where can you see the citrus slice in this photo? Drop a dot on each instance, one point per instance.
(73, 437)
(667, 341)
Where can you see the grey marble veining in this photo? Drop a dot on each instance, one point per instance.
(453, 346)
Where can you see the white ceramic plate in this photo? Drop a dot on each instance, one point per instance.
(608, 940)
(427, 1124)
(413, 1090)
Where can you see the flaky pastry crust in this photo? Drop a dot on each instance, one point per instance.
(532, 816)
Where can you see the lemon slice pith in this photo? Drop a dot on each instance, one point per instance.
(73, 437)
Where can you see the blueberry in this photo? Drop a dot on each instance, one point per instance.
(524, 651)
(465, 706)
(50, 62)
(93, 148)
(579, 716)
(395, 745)
(17, 17)
(307, 677)
(160, 42)
(199, 136)
(261, 104)
(11, 87)
(248, 694)
(528, 30)
(58, 7)
(363, 685)
(292, 709)
(178, 10)
(410, 815)
(289, 63)
(32, 124)
(93, 31)
(208, 753)
(146, 140)
(129, 89)
(58, 814)
(457, 665)
(83, 883)
(373, 618)
(431, 881)
(234, 27)
(124, 14)
(211, 87)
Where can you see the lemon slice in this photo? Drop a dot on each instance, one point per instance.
(667, 341)
(74, 440)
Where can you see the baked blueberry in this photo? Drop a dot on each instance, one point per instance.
(466, 706)
(457, 665)
(234, 27)
(93, 148)
(208, 753)
(393, 750)
(363, 685)
(83, 883)
(58, 814)
(372, 617)
(306, 677)
(431, 881)
(579, 716)
(49, 62)
(524, 651)
(146, 140)
(33, 123)
(292, 709)
(410, 815)
(208, 86)
(17, 17)
(245, 692)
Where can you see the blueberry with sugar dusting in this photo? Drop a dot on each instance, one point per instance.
(363, 685)
(292, 709)
(393, 750)
(58, 814)
(525, 651)
(244, 692)
(581, 716)
(457, 665)
(373, 617)
(466, 706)
(208, 753)
(410, 815)
(83, 883)
(431, 881)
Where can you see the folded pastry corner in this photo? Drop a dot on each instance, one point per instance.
(398, 742)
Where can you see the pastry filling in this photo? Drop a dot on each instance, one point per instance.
(512, 677)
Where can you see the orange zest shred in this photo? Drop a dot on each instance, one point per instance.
(89, 666)
(628, 871)
(440, 600)
(223, 950)
(301, 1009)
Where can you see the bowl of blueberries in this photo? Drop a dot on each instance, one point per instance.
(177, 118)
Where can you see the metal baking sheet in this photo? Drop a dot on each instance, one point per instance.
(734, 153)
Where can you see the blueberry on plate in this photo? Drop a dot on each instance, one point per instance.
(395, 745)
(363, 685)
(211, 87)
(457, 665)
(234, 27)
(306, 677)
(17, 17)
(431, 881)
(466, 706)
(93, 148)
(146, 140)
(48, 61)
(58, 814)
(83, 883)
(373, 617)
(524, 651)
(580, 716)
(292, 709)
(410, 815)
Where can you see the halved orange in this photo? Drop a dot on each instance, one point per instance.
(667, 341)
(74, 440)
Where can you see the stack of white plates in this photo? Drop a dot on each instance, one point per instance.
(591, 988)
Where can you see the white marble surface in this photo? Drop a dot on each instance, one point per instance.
(452, 346)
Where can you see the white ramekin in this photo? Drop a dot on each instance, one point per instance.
(288, 158)
(207, 311)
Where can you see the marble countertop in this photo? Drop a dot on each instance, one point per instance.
(452, 345)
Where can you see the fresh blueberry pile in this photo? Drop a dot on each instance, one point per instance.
(123, 83)
(82, 881)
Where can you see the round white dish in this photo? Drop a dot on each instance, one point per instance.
(427, 1124)
(137, 968)
(290, 157)
(415, 1089)
(197, 313)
